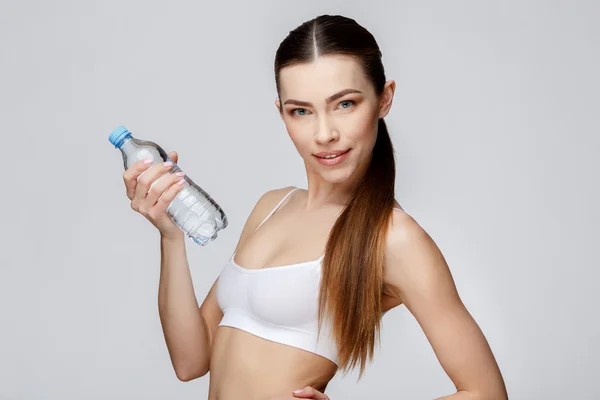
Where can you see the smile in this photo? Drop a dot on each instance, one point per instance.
(333, 158)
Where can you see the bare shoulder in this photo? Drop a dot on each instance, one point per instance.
(413, 263)
(402, 227)
(261, 209)
(272, 197)
(267, 202)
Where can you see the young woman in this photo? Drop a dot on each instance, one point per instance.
(314, 270)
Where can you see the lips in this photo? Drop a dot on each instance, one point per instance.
(330, 154)
(335, 157)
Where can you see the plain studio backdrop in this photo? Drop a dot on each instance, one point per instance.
(495, 126)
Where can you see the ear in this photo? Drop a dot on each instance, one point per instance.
(386, 98)
(278, 105)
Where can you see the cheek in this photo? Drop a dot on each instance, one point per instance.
(299, 135)
(360, 127)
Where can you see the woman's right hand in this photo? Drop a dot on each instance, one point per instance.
(153, 192)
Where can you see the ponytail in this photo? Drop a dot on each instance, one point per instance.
(352, 272)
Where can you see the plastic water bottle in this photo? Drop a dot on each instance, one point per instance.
(193, 210)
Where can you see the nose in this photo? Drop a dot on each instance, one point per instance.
(325, 131)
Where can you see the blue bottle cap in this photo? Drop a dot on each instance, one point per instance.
(118, 136)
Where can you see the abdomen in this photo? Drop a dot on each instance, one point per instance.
(244, 366)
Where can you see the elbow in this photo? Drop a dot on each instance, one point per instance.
(186, 374)
(189, 368)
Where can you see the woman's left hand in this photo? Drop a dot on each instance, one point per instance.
(310, 393)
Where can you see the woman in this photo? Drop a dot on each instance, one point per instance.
(314, 270)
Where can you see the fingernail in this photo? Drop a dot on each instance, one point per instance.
(298, 391)
(180, 173)
(168, 164)
(148, 162)
(181, 181)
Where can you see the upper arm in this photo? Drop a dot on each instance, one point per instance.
(209, 310)
(418, 274)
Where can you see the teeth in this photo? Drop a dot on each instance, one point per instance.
(331, 156)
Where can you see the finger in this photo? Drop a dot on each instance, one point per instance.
(167, 197)
(310, 393)
(174, 156)
(160, 186)
(132, 173)
(148, 179)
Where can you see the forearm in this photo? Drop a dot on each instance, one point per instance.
(183, 327)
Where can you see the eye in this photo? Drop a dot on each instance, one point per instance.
(346, 104)
(299, 111)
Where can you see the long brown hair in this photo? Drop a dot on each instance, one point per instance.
(352, 271)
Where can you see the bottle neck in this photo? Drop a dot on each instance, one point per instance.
(127, 145)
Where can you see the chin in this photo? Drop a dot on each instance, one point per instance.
(340, 179)
(336, 176)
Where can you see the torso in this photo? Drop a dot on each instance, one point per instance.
(247, 366)
(244, 366)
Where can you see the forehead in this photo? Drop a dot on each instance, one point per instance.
(318, 79)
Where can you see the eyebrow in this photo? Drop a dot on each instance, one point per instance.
(327, 100)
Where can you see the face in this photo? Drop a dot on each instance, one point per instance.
(330, 108)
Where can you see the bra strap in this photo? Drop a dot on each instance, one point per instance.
(276, 207)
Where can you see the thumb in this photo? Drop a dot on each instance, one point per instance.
(173, 156)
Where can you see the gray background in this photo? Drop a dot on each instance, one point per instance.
(495, 123)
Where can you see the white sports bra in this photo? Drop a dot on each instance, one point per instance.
(279, 304)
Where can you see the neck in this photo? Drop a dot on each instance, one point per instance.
(323, 192)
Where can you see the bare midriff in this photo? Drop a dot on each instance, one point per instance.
(245, 366)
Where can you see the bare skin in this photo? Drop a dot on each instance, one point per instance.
(262, 369)
(243, 366)
(247, 366)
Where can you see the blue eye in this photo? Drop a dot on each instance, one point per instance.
(348, 102)
(303, 111)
